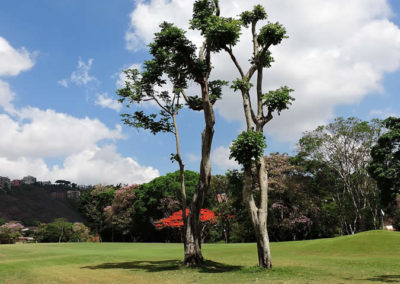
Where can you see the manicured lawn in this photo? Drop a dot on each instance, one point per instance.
(370, 257)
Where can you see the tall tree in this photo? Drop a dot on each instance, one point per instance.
(178, 58)
(385, 164)
(144, 87)
(344, 147)
(249, 147)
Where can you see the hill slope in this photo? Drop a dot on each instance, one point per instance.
(370, 257)
(31, 203)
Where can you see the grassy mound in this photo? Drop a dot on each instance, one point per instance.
(370, 257)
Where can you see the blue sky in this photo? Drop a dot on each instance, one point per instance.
(60, 62)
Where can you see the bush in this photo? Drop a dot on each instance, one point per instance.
(60, 230)
(10, 232)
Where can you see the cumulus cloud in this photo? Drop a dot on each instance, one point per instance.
(105, 101)
(337, 53)
(6, 97)
(31, 135)
(13, 61)
(220, 158)
(90, 166)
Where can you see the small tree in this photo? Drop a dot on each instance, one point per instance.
(120, 214)
(92, 204)
(9, 232)
(80, 233)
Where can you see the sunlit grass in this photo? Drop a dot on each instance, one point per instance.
(367, 257)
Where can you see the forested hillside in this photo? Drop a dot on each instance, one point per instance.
(29, 204)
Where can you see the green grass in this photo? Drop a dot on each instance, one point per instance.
(370, 257)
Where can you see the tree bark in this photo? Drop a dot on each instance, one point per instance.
(193, 255)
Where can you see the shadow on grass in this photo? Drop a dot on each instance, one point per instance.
(385, 278)
(166, 265)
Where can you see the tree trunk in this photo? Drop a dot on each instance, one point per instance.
(193, 255)
(258, 215)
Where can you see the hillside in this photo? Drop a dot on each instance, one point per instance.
(370, 257)
(30, 203)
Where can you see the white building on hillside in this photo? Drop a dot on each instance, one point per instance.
(29, 180)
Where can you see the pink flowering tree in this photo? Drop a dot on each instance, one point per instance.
(9, 232)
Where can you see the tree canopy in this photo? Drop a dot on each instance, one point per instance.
(385, 164)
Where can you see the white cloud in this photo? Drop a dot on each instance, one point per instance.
(47, 133)
(382, 113)
(30, 135)
(6, 97)
(105, 101)
(90, 166)
(13, 61)
(337, 53)
(33, 135)
(81, 75)
(220, 157)
(63, 83)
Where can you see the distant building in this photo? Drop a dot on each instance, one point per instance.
(73, 194)
(45, 183)
(29, 180)
(5, 183)
(16, 182)
(59, 195)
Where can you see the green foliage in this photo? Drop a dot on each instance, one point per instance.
(385, 164)
(267, 60)
(219, 32)
(248, 147)
(222, 32)
(151, 122)
(92, 204)
(252, 17)
(203, 12)
(60, 230)
(79, 233)
(271, 34)
(241, 84)
(215, 93)
(278, 100)
(119, 215)
(9, 232)
(157, 199)
(337, 156)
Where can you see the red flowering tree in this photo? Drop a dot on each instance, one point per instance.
(207, 218)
